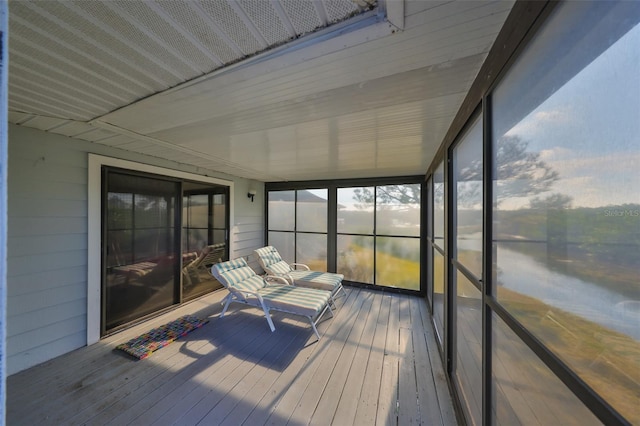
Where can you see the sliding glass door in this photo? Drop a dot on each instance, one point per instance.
(160, 236)
(205, 221)
(139, 245)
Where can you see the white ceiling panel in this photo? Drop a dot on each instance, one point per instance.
(396, 89)
(115, 140)
(45, 123)
(73, 128)
(17, 117)
(264, 89)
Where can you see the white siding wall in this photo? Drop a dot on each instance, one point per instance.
(249, 222)
(47, 240)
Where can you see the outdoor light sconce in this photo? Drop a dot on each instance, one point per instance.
(251, 194)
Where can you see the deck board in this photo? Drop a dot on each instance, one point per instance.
(186, 375)
(209, 388)
(285, 392)
(373, 364)
(327, 403)
(347, 403)
(367, 408)
(387, 398)
(312, 382)
(445, 403)
(188, 382)
(408, 411)
(408, 408)
(427, 392)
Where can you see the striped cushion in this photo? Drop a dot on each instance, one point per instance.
(297, 300)
(235, 276)
(269, 256)
(320, 280)
(236, 273)
(266, 253)
(281, 267)
(252, 284)
(231, 264)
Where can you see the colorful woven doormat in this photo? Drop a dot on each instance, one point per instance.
(144, 345)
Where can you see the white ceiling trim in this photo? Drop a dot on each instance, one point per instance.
(362, 29)
(72, 128)
(59, 97)
(322, 13)
(143, 28)
(249, 24)
(395, 13)
(46, 83)
(76, 81)
(47, 52)
(197, 8)
(35, 7)
(36, 96)
(34, 106)
(155, 141)
(186, 34)
(358, 30)
(284, 18)
(122, 39)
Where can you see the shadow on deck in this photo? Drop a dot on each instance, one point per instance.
(377, 362)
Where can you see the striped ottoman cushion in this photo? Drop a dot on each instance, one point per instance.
(320, 280)
(297, 300)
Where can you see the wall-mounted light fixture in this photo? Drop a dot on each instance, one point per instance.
(251, 194)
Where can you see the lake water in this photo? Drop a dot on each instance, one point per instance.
(521, 273)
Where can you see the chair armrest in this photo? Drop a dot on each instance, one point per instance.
(302, 265)
(269, 278)
(248, 292)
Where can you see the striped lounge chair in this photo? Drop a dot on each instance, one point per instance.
(273, 264)
(194, 270)
(245, 286)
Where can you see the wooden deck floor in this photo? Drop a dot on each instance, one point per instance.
(376, 363)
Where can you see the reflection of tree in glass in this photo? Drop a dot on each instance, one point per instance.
(355, 259)
(519, 173)
(120, 212)
(389, 194)
(552, 201)
(397, 212)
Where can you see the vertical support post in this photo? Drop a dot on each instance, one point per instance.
(4, 71)
(332, 229)
(449, 274)
(488, 258)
